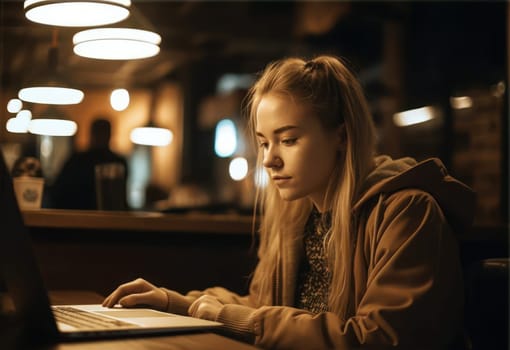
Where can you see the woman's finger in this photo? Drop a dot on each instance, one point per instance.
(205, 307)
(156, 299)
(132, 300)
(194, 306)
(136, 286)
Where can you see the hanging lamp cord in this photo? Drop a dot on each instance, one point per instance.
(53, 52)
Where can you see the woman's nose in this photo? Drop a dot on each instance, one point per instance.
(271, 159)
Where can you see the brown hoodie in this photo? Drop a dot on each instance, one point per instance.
(407, 274)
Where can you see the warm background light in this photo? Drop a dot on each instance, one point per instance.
(238, 168)
(225, 138)
(20, 123)
(116, 43)
(51, 95)
(414, 116)
(14, 105)
(461, 102)
(119, 99)
(52, 127)
(77, 13)
(151, 136)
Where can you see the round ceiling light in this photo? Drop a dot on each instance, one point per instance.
(51, 95)
(52, 127)
(14, 105)
(151, 136)
(77, 13)
(119, 99)
(52, 122)
(20, 123)
(116, 43)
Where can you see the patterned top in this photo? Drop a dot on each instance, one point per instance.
(314, 277)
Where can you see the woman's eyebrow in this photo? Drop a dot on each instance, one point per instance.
(279, 130)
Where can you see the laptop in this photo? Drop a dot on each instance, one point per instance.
(37, 319)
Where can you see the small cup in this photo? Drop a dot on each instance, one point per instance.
(29, 191)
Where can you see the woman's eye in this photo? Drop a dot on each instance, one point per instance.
(290, 141)
(263, 144)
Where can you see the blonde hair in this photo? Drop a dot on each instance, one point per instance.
(331, 90)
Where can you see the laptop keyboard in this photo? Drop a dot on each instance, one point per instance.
(81, 319)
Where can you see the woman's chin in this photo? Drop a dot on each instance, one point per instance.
(289, 196)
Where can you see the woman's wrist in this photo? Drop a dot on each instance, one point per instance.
(238, 321)
(176, 302)
(167, 305)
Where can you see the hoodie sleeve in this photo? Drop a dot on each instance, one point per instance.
(179, 303)
(412, 297)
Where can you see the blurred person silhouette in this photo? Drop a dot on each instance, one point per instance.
(75, 186)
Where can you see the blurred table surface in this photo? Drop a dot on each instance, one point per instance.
(228, 223)
(183, 341)
(188, 221)
(98, 250)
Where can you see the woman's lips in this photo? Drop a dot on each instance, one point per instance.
(281, 180)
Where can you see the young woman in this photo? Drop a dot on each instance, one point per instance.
(356, 251)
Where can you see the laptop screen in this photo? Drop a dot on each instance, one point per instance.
(19, 271)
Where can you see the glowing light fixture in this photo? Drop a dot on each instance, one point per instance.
(461, 102)
(52, 127)
(71, 13)
(13, 125)
(414, 116)
(20, 123)
(498, 90)
(14, 105)
(116, 43)
(51, 88)
(53, 95)
(225, 139)
(238, 168)
(151, 136)
(119, 99)
(52, 123)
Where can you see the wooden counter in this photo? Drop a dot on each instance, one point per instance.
(98, 250)
(145, 221)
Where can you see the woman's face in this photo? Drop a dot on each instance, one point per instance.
(298, 153)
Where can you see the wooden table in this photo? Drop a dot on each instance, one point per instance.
(192, 222)
(192, 341)
(98, 250)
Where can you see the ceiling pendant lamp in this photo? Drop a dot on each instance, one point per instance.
(116, 43)
(119, 99)
(55, 95)
(73, 13)
(52, 127)
(14, 105)
(52, 122)
(51, 88)
(150, 134)
(19, 124)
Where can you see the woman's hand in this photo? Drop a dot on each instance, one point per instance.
(137, 293)
(206, 307)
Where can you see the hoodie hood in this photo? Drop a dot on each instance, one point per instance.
(457, 201)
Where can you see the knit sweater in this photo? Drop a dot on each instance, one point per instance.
(407, 275)
(314, 275)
